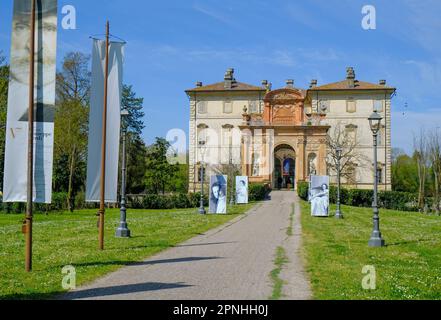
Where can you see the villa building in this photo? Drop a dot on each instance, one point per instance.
(282, 136)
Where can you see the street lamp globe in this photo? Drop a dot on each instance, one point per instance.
(374, 122)
(339, 152)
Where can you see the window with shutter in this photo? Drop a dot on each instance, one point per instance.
(351, 105)
(378, 105)
(202, 107)
(228, 106)
(254, 106)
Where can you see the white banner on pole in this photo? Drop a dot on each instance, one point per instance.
(16, 152)
(242, 190)
(218, 194)
(319, 196)
(116, 60)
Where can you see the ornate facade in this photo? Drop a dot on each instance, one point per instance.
(282, 136)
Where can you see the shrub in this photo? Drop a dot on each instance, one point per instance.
(402, 201)
(195, 199)
(258, 192)
(302, 190)
(359, 198)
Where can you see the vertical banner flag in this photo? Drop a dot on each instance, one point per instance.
(15, 174)
(319, 196)
(218, 194)
(241, 190)
(116, 60)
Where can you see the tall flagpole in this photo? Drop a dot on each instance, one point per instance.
(103, 147)
(30, 195)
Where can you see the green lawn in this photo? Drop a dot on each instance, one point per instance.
(72, 239)
(408, 268)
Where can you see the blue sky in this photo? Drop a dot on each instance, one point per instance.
(173, 44)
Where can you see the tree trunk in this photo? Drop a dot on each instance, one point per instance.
(421, 189)
(70, 204)
(436, 195)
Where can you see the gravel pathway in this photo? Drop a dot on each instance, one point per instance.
(232, 262)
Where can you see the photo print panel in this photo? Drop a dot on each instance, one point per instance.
(218, 194)
(319, 196)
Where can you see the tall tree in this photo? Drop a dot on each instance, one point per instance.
(434, 154)
(160, 173)
(71, 120)
(136, 164)
(421, 156)
(73, 81)
(136, 148)
(4, 81)
(405, 173)
(133, 105)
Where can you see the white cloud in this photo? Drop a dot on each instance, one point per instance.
(215, 14)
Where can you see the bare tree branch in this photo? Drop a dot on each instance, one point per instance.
(434, 154)
(351, 157)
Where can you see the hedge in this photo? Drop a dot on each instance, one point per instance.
(257, 192)
(402, 201)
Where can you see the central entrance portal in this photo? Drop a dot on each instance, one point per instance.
(284, 176)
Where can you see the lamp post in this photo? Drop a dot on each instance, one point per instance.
(201, 151)
(376, 239)
(123, 230)
(232, 199)
(338, 213)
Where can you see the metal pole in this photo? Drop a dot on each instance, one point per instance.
(30, 186)
(123, 230)
(201, 205)
(103, 147)
(232, 199)
(376, 239)
(338, 213)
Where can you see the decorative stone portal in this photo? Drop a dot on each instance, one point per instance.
(280, 147)
(284, 176)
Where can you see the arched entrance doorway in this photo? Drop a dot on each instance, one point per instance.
(284, 176)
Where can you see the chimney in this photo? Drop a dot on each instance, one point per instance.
(198, 84)
(383, 82)
(290, 83)
(313, 84)
(229, 78)
(350, 76)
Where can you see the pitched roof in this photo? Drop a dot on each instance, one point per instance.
(220, 86)
(344, 85)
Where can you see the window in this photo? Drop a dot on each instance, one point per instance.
(254, 106)
(351, 105)
(378, 105)
(256, 165)
(351, 173)
(381, 136)
(202, 133)
(227, 134)
(324, 106)
(228, 106)
(202, 107)
(351, 131)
